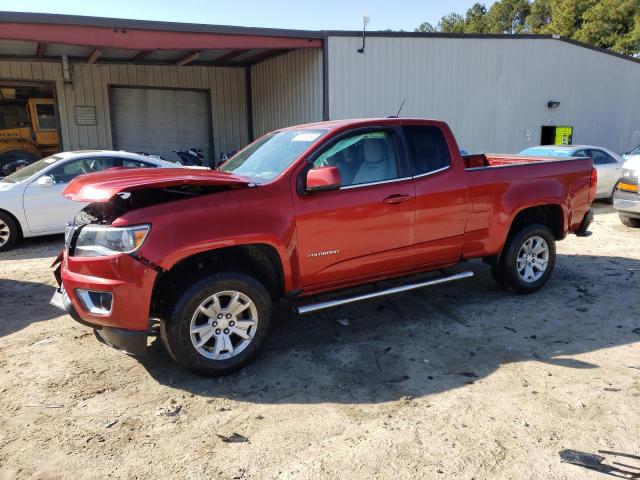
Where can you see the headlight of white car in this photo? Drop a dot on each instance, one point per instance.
(94, 241)
(629, 180)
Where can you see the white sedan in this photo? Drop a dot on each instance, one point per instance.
(607, 163)
(31, 201)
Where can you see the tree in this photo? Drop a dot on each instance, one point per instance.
(476, 19)
(567, 16)
(540, 15)
(426, 27)
(613, 24)
(508, 16)
(452, 23)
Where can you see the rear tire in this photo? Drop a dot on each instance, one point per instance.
(9, 232)
(219, 324)
(629, 221)
(527, 260)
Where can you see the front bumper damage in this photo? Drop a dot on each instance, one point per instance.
(132, 342)
(106, 328)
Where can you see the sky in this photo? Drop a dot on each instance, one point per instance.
(296, 14)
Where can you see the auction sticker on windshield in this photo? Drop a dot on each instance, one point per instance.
(305, 137)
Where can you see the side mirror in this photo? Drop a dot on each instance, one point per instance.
(45, 181)
(320, 179)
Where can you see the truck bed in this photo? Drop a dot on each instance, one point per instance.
(502, 185)
(497, 160)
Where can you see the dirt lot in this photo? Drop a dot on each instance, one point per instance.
(459, 381)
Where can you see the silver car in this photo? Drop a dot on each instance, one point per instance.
(627, 198)
(607, 163)
(31, 201)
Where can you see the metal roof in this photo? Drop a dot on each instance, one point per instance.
(99, 39)
(93, 39)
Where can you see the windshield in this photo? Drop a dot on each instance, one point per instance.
(635, 151)
(547, 152)
(26, 172)
(269, 156)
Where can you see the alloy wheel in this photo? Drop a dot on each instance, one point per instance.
(223, 325)
(533, 258)
(4, 233)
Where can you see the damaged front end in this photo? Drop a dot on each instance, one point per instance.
(103, 280)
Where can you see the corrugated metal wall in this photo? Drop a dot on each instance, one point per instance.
(90, 87)
(490, 91)
(287, 90)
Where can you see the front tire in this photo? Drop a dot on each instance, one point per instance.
(629, 221)
(527, 260)
(218, 325)
(9, 232)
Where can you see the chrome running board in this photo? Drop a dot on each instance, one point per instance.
(314, 307)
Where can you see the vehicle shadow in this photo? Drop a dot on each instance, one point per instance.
(33, 248)
(18, 297)
(431, 340)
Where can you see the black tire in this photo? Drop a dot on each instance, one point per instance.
(176, 330)
(9, 232)
(506, 271)
(629, 221)
(609, 199)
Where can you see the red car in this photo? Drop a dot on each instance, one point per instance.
(308, 210)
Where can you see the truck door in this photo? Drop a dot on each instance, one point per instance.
(364, 228)
(441, 195)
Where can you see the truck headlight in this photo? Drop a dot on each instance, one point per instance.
(94, 241)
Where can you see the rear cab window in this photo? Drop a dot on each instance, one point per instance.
(427, 147)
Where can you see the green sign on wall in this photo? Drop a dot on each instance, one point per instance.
(564, 135)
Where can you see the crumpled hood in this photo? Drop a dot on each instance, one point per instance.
(102, 186)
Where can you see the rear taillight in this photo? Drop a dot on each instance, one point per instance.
(593, 185)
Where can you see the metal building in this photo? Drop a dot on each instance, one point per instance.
(157, 86)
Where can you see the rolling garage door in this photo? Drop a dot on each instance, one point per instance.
(159, 121)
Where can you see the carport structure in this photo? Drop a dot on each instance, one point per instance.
(158, 86)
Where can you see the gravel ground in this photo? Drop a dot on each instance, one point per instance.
(459, 381)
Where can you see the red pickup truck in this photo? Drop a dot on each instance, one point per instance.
(314, 215)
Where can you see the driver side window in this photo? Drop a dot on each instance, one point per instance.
(70, 170)
(67, 172)
(362, 158)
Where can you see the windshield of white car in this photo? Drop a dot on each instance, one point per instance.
(32, 169)
(269, 156)
(635, 151)
(548, 152)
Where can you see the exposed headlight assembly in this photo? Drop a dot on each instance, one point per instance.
(95, 241)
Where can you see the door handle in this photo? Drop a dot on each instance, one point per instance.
(397, 198)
